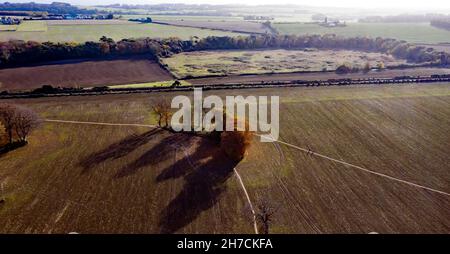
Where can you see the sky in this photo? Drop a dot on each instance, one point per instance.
(385, 4)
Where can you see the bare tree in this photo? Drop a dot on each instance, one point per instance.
(24, 121)
(162, 108)
(264, 215)
(7, 113)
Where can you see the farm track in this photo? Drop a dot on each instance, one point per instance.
(248, 199)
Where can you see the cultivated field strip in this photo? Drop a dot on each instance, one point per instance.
(84, 74)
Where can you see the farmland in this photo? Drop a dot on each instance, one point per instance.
(92, 32)
(150, 84)
(159, 17)
(235, 26)
(314, 76)
(32, 26)
(4, 28)
(414, 33)
(204, 63)
(116, 71)
(111, 179)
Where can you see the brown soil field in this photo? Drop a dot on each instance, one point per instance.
(233, 79)
(83, 74)
(110, 179)
(234, 26)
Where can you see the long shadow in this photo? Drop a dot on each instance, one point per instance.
(158, 153)
(203, 165)
(4, 149)
(205, 173)
(118, 150)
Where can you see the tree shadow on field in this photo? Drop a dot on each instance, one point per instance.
(205, 172)
(118, 150)
(199, 160)
(158, 153)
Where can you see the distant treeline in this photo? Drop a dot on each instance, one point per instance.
(53, 8)
(403, 18)
(14, 53)
(441, 23)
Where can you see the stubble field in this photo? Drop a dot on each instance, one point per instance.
(110, 179)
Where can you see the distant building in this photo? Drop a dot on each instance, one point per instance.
(332, 23)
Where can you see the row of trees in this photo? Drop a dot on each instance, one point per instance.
(441, 23)
(18, 122)
(20, 52)
(400, 49)
(17, 52)
(54, 8)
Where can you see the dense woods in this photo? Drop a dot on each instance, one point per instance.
(13, 53)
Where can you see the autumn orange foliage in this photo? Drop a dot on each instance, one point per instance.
(236, 143)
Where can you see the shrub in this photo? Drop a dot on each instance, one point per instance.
(344, 69)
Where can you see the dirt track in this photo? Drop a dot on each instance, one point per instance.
(83, 74)
(423, 71)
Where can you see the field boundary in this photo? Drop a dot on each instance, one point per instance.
(60, 92)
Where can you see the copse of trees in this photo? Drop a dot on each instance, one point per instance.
(441, 23)
(13, 53)
(161, 107)
(18, 123)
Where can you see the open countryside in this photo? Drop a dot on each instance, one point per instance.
(87, 144)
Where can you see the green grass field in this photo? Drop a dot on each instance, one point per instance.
(4, 28)
(183, 17)
(32, 26)
(204, 63)
(152, 84)
(109, 179)
(411, 32)
(82, 33)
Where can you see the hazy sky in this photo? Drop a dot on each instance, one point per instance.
(408, 4)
